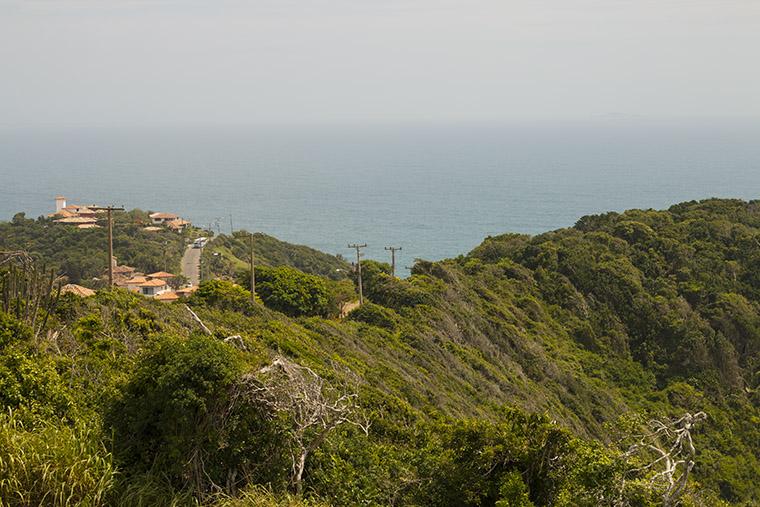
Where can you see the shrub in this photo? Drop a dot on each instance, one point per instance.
(291, 291)
(223, 295)
(176, 415)
(374, 315)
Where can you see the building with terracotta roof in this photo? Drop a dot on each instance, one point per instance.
(159, 218)
(153, 287)
(76, 220)
(77, 290)
(163, 275)
(177, 224)
(168, 296)
(186, 292)
(123, 269)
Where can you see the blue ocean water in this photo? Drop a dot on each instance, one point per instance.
(437, 191)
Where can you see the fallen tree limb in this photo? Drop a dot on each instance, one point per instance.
(199, 321)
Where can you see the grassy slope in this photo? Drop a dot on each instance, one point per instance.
(234, 251)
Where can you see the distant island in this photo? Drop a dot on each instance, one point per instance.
(615, 362)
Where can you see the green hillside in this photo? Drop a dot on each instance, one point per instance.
(82, 254)
(228, 254)
(523, 373)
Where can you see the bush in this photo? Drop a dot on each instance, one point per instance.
(176, 415)
(223, 295)
(291, 291)
(374, 315)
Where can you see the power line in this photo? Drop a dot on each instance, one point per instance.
(358, 248)
(253, 272)
(393, 250)
(109, 210)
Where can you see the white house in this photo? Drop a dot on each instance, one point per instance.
(162, 218)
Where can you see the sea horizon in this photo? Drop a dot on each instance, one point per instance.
(437, 190)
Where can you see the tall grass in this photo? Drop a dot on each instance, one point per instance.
(257, 496)
(52, 464)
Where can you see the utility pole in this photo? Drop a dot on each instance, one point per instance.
(393, 250)
(253, 272)
(358, 247)
(109, 210)
(231, 229)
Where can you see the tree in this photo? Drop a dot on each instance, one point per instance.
(291, 291)
(314, 407)
(178, 414)
(669, 455)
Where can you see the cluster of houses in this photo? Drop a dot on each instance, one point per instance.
(155, 285)
(85, 217)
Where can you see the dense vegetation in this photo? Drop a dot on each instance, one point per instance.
(82, 254)
(227, 255)
(517, 375)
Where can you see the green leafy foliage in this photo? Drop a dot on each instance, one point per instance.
(290, 291)
(227, 255)
(584, 333)
(175, 415)
(82, 254)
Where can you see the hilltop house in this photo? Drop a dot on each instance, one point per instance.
(85, 218)
(162, 218)
(170, 220)
(74, 214)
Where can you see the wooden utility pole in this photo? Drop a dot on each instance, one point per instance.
(358, 247)
(109, 210)
(253, 272)
(393, 250)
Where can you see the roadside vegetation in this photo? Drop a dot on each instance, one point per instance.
(613, 363)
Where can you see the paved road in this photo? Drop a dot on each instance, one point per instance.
(191, 264)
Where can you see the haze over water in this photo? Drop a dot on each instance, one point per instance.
(437, 191)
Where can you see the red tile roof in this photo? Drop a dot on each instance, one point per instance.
(167, 296)
(161, 274)
(153, 283)
(77, 290)
(164, 216)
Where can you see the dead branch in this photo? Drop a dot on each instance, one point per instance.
(669, 452)
(315, 407)
(199, 321)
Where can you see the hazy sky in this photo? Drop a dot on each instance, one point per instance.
(266, 61)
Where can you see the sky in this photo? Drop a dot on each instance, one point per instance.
(193, 62)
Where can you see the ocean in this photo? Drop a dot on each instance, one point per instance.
(434, 190)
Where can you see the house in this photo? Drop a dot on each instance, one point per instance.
(152, 228)
(133, 283)
(123, 270)
(186, 292)
(73, 214)
(162, 218)
(177, 224)
(162, 275)
(76, 220)
(153, 287)
(77, 290)
(167, 297)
